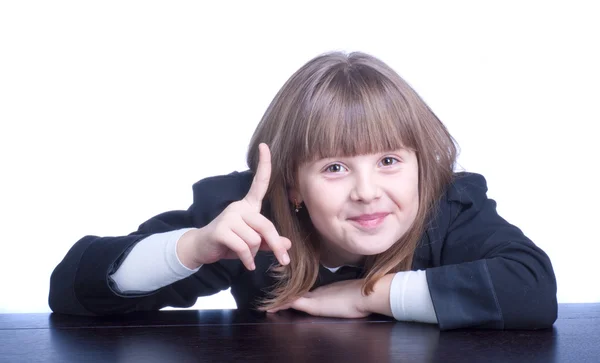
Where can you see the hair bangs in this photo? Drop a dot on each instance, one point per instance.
(355, 114)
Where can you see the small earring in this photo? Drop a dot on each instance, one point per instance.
(297, 206)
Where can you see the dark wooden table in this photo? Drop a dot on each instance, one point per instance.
(231, 335)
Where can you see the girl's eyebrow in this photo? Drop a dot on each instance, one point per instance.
(384, 152)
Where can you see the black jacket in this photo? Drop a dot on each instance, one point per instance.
(481, 271)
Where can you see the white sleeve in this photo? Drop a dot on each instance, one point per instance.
(151, 264)
(410, 299)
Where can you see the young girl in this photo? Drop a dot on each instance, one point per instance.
(351, 206)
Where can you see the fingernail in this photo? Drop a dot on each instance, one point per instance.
(253, 267)
(285, 258)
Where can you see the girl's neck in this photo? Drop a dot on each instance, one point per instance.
(331, 257)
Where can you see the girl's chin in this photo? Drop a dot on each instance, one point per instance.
(371, 250)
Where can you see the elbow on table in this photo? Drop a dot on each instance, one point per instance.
(62, 298)
(538, 310)
(66, 305)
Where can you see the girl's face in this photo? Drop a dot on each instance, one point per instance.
(360, 205)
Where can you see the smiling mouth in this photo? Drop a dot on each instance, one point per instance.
(368, 221)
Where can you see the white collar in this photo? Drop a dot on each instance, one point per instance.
(334, 269)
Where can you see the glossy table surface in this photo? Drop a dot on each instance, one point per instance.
(231, 335)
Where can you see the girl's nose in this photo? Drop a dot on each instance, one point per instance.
(366, 189)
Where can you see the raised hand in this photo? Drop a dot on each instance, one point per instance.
(240, 231)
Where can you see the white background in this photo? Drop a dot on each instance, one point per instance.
(111, 110)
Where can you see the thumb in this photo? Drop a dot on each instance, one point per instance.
(305, 304)
(279, 308)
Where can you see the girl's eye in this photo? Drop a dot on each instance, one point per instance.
(388, 160)
(335, 168)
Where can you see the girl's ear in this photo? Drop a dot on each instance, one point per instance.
(294, 195)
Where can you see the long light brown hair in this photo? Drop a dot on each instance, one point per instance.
(342, 104)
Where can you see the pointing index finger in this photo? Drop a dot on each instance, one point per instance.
(260, 183)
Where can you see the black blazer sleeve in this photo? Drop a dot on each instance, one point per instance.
(80, 284)
(486, 273)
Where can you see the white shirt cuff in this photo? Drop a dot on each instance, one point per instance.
(152, 263)
(410, 299)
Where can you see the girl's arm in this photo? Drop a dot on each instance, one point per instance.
(81, 284)
(484, 272)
